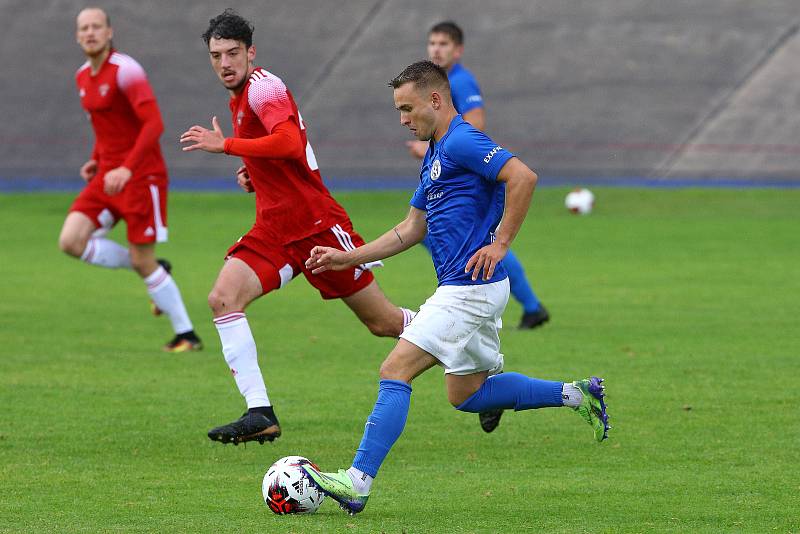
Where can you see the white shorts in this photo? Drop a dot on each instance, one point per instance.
(458, 325)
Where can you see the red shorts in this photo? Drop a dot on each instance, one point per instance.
(276, 265)
(142, 204)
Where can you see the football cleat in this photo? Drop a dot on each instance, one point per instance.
(592, 408)
(490, 419)
(186, 342)
(531, 320)
(251, 426)
(155, 310)
(337, 486)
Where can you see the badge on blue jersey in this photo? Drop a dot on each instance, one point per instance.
(464, 201)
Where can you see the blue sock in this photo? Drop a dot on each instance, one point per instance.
(513, 390)
(384, 425)
(520, 287)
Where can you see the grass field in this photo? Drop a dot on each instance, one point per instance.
(686, 301)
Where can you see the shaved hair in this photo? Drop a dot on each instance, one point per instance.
(423, 74)
(100, 9)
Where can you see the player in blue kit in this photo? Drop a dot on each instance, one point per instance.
(445, 48)
(468, 184)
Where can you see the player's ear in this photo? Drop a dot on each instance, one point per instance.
(436, 100)
(251, 52)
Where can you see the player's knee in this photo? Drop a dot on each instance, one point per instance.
(457, 398)
(71, 244)
(221, 301)
(383, 328)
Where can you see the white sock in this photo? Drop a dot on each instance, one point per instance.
(239, 349)
(165, 293)
(571, 395)
(408, 316)
(106, 253)
(362, 482)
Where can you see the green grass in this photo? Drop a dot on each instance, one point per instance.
(686, 301)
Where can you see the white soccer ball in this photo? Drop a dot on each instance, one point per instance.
(580, 201)
(287, 489)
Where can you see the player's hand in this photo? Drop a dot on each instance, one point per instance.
(115, 179)
(486, 259)
(88, 170)
(243, 179)
(204, 139)
(417, 148)
(327, 259)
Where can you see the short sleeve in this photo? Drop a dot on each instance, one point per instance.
(132, 81)
(466, 93)
(270, 101)
(474, 150)
(418, 200)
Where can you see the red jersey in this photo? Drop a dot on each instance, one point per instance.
(111, 98)
(291, 201)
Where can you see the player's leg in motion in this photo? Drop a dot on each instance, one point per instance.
(80, 237)
(533, 312)
(237, 286)
(469, 393)
(383, 318)
(77, 239)
(166, 296)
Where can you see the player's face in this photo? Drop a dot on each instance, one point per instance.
(231, 61)
(416, 110)
(93, 33)
(443, 51)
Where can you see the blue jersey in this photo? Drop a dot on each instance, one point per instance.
(458, 189)
(464, 89)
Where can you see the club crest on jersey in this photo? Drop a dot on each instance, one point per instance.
(103, 89)
(436, 169)
(239, 117)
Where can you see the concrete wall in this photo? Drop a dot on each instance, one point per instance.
(580, 88)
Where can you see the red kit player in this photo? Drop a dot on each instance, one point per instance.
(126, 177)
(294, 212)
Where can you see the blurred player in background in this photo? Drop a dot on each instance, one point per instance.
(294, 211)
(126, 177)
(445, 48)
(468, 184)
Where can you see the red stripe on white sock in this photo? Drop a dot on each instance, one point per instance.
(229, 318)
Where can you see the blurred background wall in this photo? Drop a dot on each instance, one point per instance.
(579, 89)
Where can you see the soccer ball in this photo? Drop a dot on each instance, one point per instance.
(580, 201)
(287, 489)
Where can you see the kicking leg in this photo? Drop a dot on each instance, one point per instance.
(351, 488)
(237, 286)
(520, 392)
(383, 318)
(167, 297)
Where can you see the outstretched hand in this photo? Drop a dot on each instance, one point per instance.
(204, 139)
(327, 259)
(486, 259)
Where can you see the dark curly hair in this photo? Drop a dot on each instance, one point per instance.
(229, 25)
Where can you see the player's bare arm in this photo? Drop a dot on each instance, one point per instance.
(204, 139)
(520, 182)
(405, 235)
(476, 117)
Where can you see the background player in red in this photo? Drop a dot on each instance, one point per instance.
(126, 177)
(294, 211)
